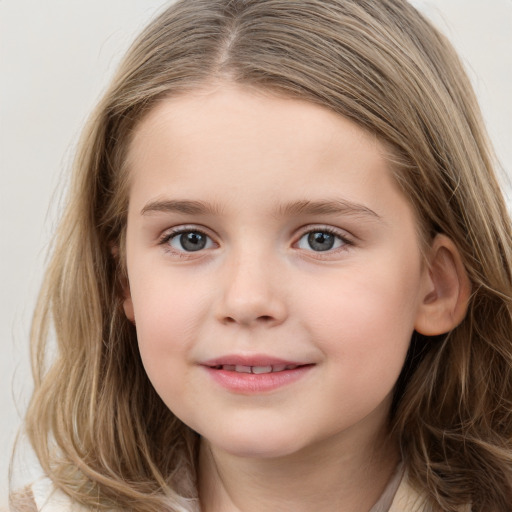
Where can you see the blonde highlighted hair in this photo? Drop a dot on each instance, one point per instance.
(101, 432)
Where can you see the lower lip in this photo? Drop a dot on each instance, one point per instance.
(251, 383)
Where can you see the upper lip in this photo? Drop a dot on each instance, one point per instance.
(250, 360)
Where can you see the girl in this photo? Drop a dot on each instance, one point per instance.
(283, 278)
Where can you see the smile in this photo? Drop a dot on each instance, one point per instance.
(249, 375)
(257, 370)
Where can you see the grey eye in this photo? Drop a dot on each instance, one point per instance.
(320, 241)
(190, 241)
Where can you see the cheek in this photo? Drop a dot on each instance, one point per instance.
(367, 318)
(167, 316)
(165, 322)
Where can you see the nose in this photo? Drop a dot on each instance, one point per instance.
(252, 293)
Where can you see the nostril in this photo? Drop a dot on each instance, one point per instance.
(265, 319)
(250, 309)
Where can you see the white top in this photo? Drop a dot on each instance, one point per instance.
(399, 496)
(49, 499)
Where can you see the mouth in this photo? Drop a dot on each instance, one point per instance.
(256, 370)
(249, 375)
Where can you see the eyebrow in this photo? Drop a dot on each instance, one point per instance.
(180, 206)
(328, 207)
(303, 207)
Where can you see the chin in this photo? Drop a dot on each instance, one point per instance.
(259, 446)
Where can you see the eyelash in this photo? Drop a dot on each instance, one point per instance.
(170, 235)
(346, 242)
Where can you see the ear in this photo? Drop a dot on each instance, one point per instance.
(446, 292)
(128, 304)
(125, 288)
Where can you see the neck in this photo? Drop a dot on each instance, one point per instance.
(331, 476)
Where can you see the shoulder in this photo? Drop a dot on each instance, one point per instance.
(49, 499)
(408, 499)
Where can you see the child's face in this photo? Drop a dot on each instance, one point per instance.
(265, 232)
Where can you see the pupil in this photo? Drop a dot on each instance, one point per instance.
(192, 241)
(321, 241)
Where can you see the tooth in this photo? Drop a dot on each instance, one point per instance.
(261, 369)
(243, 369)
(229, 367)
(291, 367)
(279, 368)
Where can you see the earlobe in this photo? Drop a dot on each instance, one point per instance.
(125, 286)
(127, 300)
(446, 292)
(128, 308)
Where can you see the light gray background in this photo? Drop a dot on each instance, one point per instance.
(56, 57)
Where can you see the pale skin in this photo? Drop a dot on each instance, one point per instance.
(253, 178)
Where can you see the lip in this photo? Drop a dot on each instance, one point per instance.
(255, 383)
(250, 360)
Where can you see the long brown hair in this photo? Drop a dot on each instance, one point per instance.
(99, 429)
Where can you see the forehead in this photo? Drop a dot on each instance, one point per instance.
(225, 140)
(230, 117)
